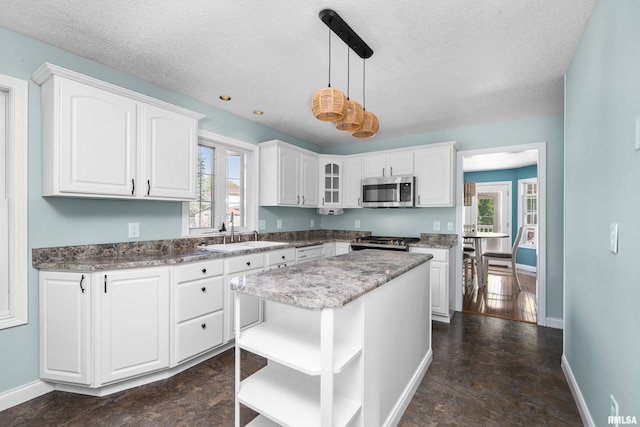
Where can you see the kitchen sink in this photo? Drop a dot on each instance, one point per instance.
(241, 246)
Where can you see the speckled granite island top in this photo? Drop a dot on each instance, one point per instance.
(330, 282)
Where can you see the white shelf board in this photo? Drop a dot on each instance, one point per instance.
(262, 421)
(283, 396)
(295, 349)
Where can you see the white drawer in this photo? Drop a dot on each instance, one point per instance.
(281, 256)
(441, 255)
(199, 335)
(245, 262)
(199, 270)
(200, 297)
(309, 253)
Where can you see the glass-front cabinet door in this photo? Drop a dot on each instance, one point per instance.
(331, 183)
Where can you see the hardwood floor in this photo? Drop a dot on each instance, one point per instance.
(500, 299)
(485, 372)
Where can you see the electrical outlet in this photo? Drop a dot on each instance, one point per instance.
(134, 229)
(614, 409)
(279, 224)
(449, 226)
(262, 224)
(436, 225)
(357, 223)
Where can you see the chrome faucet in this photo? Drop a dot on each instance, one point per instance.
(255, 235)
(232, 237)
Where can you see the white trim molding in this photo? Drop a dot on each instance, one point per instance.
(23, 394)
(587, 420)
(17, 196)
(554, 322)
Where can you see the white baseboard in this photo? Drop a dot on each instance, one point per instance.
(24, 393)
(577, 394)
(530, 268)
(553, 322)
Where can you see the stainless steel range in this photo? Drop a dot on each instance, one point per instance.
(383, 242)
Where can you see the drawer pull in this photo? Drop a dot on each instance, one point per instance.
(204, 270)
(204, 289)
(204, 326)
(248, 263)
(283, 257)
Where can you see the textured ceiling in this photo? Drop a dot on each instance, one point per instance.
(436, 64)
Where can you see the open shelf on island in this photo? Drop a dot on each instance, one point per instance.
(295, 349)
(262, 421)
(289, 398)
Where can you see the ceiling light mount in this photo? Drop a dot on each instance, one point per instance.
(346, 33)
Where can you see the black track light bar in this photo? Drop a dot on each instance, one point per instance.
(344, 31)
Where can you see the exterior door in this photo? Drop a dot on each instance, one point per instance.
(493, 213)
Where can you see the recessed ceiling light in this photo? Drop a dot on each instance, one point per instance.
(258, 112)
(225, 97)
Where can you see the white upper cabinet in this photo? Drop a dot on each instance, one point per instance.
(331, 182)
(288, 175)
(388, 164)
(170, 144)
(435, 176)
(352, 182)
(103, 141)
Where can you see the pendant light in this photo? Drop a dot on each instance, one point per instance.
(329, 104)
(354, 112)
(369, 125)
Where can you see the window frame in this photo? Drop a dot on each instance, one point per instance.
(522, 183)
(17, 166)
(220, 144)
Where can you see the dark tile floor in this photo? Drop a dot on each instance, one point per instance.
(485, 372)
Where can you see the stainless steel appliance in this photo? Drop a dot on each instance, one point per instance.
(388, 192)
(383, 243)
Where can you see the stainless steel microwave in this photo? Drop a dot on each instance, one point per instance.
(388, 192)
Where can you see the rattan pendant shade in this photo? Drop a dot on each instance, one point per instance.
(352, 118)
(369, 126)
(329, 104)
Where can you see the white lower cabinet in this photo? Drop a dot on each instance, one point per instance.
(442, 282)
(314, 370)
(198, 300)
(251, 306)
(103, 327)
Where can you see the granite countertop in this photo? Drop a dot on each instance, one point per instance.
(439, 241)
(330, 282)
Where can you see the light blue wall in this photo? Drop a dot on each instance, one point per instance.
(412, 222)
(602, 289)
(60, 221)
(525, 256)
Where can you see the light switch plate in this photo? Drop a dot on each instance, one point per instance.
(436, 225)
(357, 223)
(637, 133)
(279, 224)
(613, 238)
(313, 222)
(449, 226)
(262, 224)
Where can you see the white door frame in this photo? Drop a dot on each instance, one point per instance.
(541, 259)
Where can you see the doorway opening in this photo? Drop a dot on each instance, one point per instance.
(503, 202)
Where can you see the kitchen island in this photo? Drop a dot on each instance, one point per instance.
(347, 339)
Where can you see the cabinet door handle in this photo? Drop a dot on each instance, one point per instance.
(298, 200)
(418, 199)
(204, 271)
(303, 200)
(323, 201)
(391, 171)
(283, 257)
(248, 263)
(133, 186)
(105, 283)
(148, 187)
(358, 201)
(382, 171)
(82, 280)
(204, 289)
(204, 326)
